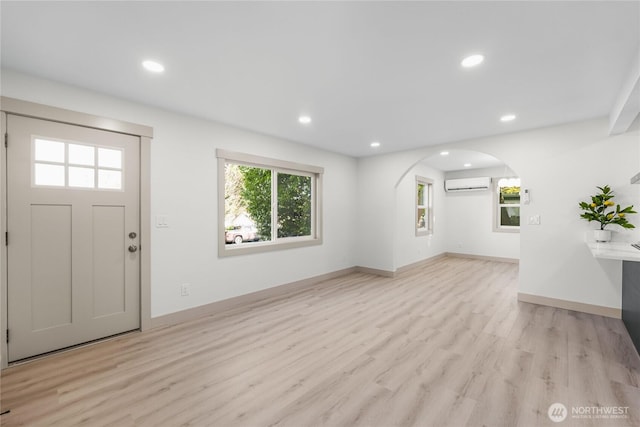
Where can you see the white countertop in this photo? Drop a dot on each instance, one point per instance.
(614, 250)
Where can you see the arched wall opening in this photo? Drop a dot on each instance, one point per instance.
(464, 222)
(560, 166)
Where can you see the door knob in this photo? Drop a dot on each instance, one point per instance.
(133, 248)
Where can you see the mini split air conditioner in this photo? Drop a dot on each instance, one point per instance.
(467, 184)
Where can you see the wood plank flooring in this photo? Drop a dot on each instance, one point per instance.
(446, 344)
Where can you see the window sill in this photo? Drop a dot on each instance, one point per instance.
(227, 250)
(506, 230)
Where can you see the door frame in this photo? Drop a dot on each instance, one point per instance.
(145, 133)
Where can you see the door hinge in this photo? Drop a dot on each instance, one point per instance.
(7, 333)
(6, 238)
(6, 140)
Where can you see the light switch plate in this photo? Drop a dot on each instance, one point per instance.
(162, 221)
(534, 220)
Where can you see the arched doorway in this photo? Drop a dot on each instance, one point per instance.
(481, 222)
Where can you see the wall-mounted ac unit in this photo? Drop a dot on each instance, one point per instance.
(467, 184)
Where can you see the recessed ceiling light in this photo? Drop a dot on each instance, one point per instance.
(466, 165)
(444, 153)
(507, 117)
(153, 66)
(375, 144)
(305, 120)
(472, 61)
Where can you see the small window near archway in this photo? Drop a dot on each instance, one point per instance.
(507, 202)
(424, 206)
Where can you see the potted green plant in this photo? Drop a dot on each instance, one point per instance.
(604, 210)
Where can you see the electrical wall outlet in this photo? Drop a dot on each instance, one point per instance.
(185, 289)
(534, 220)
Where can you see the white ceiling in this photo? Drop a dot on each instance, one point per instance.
(456, 159)
(363, 71)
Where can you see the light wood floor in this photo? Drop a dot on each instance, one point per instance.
(443, 345)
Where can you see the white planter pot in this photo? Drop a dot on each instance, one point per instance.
(602, 235)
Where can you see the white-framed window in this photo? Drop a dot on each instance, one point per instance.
(267, 204)
(507, 204)
(424, 206)
(75, 165)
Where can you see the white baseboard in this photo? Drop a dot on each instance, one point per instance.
(419, 264)
(218, 306)
(483, 257)
(599, 310)
(375, 271)
(399, 270)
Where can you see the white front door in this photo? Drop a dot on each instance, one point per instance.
(73, 226)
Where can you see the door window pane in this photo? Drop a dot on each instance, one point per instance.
(109, 180)
(49, 151)
(294, 205)
(81, 177)
(77, 166)
(49, 175)
(108, 158)
(81, 155)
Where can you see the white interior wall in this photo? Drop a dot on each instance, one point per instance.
(561, 165)
(410, 248)
(376, 210)
(471, 215)
(493, 172)
(580, 157)
(183, 187)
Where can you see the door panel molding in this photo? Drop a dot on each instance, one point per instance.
(54, 114)
(51, 249)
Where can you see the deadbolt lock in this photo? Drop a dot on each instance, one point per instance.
(132, 235)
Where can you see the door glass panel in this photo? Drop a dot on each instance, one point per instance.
(81, 177)
(49, 151)
(81, 155)
(109, 180)
(109, 158)
(50, 175)
(78, 165)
